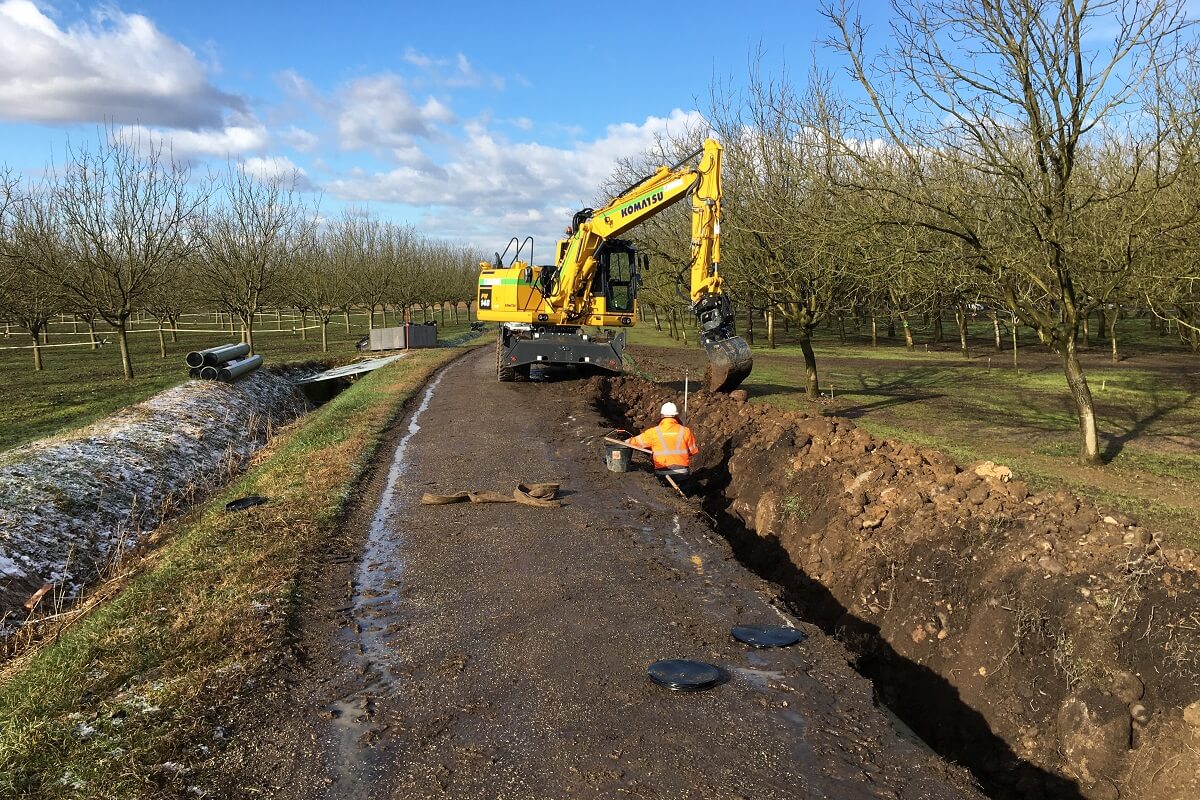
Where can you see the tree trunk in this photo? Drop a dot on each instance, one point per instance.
(1015, 330)
(346, 317)
(1089, 450)
(324, 335)
(771, 328)
(908, 337)
(443, 322)
(174, 329)
(279, 319)
(996, 330)
(1112, 333)
(370, 317)
(469, 311)
(841, 321)
(303, 325)
(74, 323)
(750, 326)
(92, 334)
(812, 386)
(123, 340)
(454, 312)
(939, 335)
(657, 323)
(162, 342)
(37, 349)
(891, 329)
(250, 334)
(1087, 339)
(874, 332)
(960, 316)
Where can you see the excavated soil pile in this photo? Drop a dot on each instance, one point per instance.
(1052, 648)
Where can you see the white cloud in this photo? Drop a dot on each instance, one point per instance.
(223, 142)
(419, 59)
(456, 72)
(300, 139)
(524, 187)
(231, 140)
(274, 167)
(113, 67)
(378, 112)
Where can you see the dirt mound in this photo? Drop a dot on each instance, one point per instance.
(1051, 647)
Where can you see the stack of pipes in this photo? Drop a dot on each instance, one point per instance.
(227, 363)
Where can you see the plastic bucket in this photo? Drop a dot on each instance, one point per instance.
(619, 457)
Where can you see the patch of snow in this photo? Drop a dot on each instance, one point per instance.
(71, 505)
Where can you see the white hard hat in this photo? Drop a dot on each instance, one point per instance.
(669, 410)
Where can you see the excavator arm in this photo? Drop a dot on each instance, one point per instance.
(729, 356)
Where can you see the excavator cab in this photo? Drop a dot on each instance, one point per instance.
(616, 278)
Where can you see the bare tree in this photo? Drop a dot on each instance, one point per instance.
(989, 110)
(126, 206)
(170, 299)
(31, 258)
(248, 240)
(319, 282)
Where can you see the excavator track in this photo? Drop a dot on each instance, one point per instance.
(729, 363)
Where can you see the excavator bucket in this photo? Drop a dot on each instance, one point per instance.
(729, 363)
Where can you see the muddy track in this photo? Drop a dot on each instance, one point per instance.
(496, 650)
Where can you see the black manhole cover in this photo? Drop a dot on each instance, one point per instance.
(681, 675)
(767, 635)
(242, 503)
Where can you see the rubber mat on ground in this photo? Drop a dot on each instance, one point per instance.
(540, 495)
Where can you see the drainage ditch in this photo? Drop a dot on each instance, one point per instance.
(1049, 647)
(72, 506)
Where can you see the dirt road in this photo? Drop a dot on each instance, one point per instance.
(483, 651)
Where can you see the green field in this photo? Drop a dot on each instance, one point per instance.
(1148, 406)
(80, 385)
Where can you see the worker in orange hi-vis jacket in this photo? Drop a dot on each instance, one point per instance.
(671, 443)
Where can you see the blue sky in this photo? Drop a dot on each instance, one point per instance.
(477, 121)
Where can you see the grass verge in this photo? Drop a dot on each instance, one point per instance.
(121, 701)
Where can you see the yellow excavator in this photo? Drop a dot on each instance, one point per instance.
(543, 310)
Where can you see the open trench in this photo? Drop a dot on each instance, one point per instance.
(1049, 648)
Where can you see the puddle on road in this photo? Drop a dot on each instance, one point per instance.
(376, 611)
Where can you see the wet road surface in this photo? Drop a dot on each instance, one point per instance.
(500, 650)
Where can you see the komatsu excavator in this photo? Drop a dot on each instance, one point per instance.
(543, 310)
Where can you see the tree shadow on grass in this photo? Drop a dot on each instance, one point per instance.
(1142, 419)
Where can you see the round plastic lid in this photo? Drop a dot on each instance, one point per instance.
(243, 503)
(681, 675)
(767, 635)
